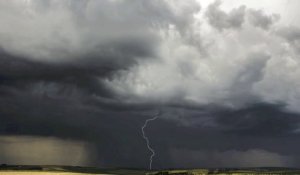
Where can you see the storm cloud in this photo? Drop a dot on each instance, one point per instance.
(226, 81)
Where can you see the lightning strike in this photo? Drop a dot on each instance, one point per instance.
(147, 139)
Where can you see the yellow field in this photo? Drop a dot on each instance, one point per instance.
(42, 173)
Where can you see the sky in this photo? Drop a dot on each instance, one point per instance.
(78, 79)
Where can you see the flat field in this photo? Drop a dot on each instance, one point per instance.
(69, 170)
(64, 170)
(42, 173)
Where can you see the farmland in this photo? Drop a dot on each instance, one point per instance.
(69, 170)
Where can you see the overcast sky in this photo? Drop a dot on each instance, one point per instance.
(86, 74)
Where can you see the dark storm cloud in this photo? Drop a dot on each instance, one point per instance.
(95, 40)
(68, 117)
(255, 120)
(20, 73)
(259, 120)
(230, 139)
(93, 71)
(66, 101)
(117, 136)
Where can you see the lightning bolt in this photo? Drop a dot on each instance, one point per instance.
(147, 140)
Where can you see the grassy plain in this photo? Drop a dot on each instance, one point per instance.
(68, 170)
(42, 173)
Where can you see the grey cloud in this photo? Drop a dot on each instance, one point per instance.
(120, 129)
(109, 54)
(259, 19)
(24, 74)
(291, 35)
(250, 73)
(222, 20)
(109, 31)
(67, 112)
(95, 70)
(71, 43)
(258, 120)
(210, 140)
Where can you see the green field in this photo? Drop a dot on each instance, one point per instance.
(70, 170)
(250, 171)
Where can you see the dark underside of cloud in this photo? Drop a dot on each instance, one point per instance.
(58, 103)
(88, 78)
